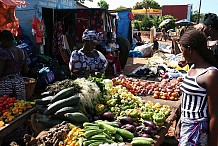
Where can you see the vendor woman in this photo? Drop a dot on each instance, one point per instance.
(88, 61)
(13, 63)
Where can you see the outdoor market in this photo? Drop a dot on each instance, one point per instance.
(73, 75)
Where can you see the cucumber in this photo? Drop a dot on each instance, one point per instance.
(60, 113)
(65, 93)
(76, 117)
(40, 108)
(44, 101)
(109, 128)
(141, 143)
(125, 133)
(48, 121)
(118, 138)
(54, 107)
(46, 93)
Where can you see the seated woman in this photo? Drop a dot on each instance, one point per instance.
(88, 61)
(13, 64)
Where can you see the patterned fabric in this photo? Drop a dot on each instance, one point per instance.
(91, 35)
(194, 132)
(13, 84)
(57, 41)
(79, 62)
(13, 66)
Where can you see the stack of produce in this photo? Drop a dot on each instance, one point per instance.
(163, 89)
(10, 107)
(68, 104)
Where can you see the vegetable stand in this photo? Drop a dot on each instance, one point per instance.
(175, 105)
(13, 125)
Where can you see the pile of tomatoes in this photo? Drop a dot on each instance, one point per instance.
(6, 103)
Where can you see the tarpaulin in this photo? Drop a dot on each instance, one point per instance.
(14, 2)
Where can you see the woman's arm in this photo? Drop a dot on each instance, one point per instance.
(212, 86)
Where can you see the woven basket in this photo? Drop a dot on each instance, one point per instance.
(30, 84)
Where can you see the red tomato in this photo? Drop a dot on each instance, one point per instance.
(5, 103)
(5, 96)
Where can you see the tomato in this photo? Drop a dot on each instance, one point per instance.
(5, 96)
(174, 94)
(5, 103)
(1, 101)
(11, 104)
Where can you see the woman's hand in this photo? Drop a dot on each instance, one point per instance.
(177, 129)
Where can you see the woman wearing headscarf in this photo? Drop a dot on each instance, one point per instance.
(199, 116)
(88, 61)
(13, 64)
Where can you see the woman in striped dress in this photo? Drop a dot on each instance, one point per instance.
(199, 110)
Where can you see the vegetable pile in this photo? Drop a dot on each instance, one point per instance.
(10, 107)
(105, 112)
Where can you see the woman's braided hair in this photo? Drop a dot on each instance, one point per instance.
(197, 40)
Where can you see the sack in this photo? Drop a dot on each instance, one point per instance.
(146, 50)
(45, 77)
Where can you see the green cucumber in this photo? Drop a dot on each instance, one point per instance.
(76, 117)
(44, 101)
(125, 133)
(54, 107)
(141, 143)
(109, 128)
(60, 113)
(65, 93)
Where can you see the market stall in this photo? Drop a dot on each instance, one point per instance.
(87, 103)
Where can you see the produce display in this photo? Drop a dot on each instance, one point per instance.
(164, 89)
(103, 112)
(10, 107)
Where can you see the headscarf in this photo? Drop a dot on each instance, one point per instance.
(91, 35)
(211, 19)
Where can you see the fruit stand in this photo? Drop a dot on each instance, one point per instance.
(15, 123)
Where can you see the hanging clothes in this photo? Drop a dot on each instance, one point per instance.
(57, 41)
(38, 27)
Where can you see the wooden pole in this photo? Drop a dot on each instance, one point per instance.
(199, 12)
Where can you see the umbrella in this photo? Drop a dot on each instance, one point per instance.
(184, 22)
(164, 22)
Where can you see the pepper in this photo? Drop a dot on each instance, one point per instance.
(159, 117)
(111, 102)
(146, 115)
(99, 107)
(133, 113)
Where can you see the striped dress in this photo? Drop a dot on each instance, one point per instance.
(194, 112)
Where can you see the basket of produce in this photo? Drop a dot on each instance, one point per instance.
(30, 84)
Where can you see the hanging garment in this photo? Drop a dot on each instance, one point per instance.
(38, 26)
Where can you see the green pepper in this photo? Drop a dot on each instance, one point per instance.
(111, 102)
(159, 117)
(133, 113)
(146, 116)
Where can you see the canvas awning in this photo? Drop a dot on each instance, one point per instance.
(14, 2)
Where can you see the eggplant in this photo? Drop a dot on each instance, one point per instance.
(128, 127)
(135, 124)
(119, 123)
(153, 133)
(109, 116)
(126, 120)
(148, 123)
(147, 130)
(139, 128)
(145, 135)
(157, 128)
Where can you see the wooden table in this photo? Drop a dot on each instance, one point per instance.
(13, 125)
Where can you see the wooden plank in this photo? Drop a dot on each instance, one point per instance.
(13, 125)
